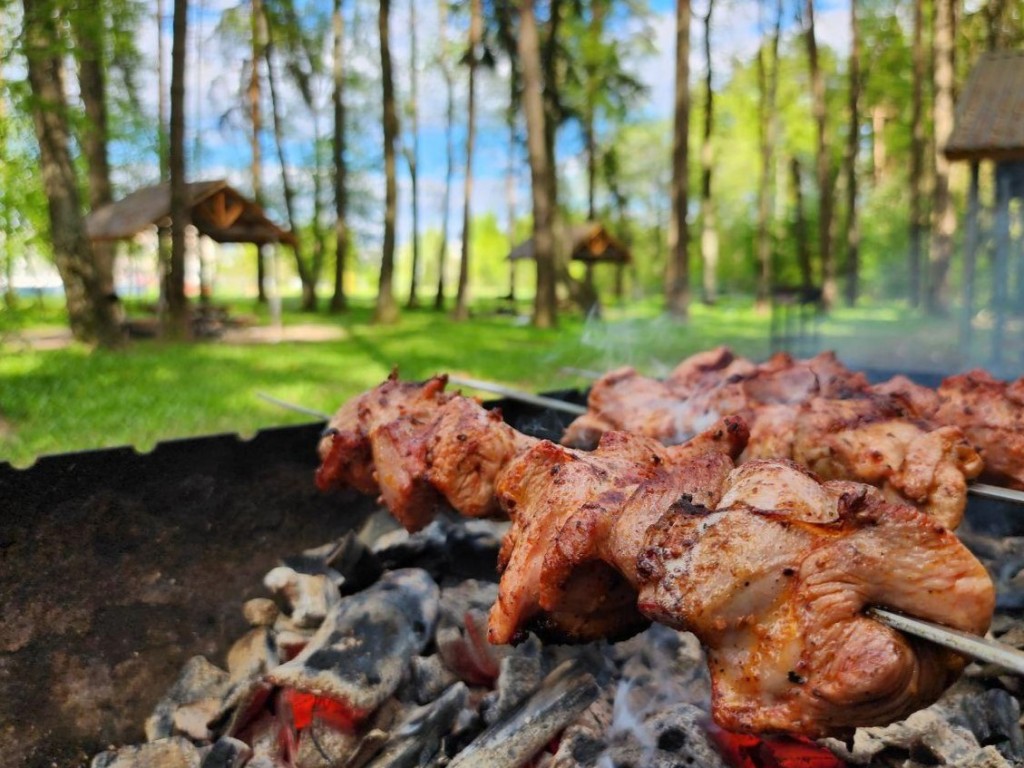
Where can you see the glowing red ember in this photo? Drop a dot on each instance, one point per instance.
(307, 706)
(745, 750)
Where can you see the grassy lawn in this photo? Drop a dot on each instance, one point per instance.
(72, 399)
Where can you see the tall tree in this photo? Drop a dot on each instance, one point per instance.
(943, 213)
(89, 31)
(339, 301)
(803, 245)
(823, 162)
(90, 315)
(386, 310)
(476, 29)
(307, 274)
(444, 64)
(412, 156)
(177, 325)
(852, 145)
(545, 308)
(677, 275)
(255, 98)
(918, 220)
(709, 227)
(768, 86)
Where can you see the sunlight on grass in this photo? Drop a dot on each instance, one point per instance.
(68, 399)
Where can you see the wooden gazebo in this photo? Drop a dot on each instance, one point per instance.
(216, 209)
(990, 126)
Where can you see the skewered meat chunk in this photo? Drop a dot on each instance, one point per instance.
(568, 562)
(815, 412)
(419, 448)
(774, 580)
(866, 438)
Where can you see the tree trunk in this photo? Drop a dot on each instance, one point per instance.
(386, 310)
(449, 140)
(852, 144)
(259, 37)
(162, 139)
(306, 276)
(709, 228)
(768, 86)
(879, 153)
(475, 38)
(412, 157)
(177, 324)
(944, 216)
(90, 316)
(918, 218)
(677, 277)
(803, 245)
(339, 301)
(545, 309)
(89, 33)
(511, 174)
(823, 163)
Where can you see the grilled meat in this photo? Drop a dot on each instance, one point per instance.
(419, 448)
(773, 580)
(815, 412)
(568, 563)
(988, 411)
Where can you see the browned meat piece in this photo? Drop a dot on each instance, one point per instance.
(578, 520)
(868, 440)
(917, 401)
(345, 453)
(991, 414)
(419, 447)
(774, 581)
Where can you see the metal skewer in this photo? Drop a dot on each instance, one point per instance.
(515, 394)
(293, 406)
(976, 647)
(995, 492)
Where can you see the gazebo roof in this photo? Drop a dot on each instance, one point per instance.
(217, 210)
(990, 113)
(591, 242)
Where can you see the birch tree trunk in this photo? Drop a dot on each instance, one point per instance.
(177, 321)
(254, 97)
(709, 226)
(918, 219)
(90, 316)
(822, 162)
(545, 309)
(943, 214)
(412, 157)
(852, 145)
(449, 140)
(339, 301)
(475, 37)
(677, 274)
(386, 310)
(768, 80)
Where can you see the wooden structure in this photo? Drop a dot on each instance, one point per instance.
(591, 243)
(990, 126)
(216, 209)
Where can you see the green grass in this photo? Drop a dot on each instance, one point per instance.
(73, 399)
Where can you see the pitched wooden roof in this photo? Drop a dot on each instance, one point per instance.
(989, 121)
(217, 210)
(591, 242)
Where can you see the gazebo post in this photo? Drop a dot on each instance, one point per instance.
(970, 258)
(1000, 272)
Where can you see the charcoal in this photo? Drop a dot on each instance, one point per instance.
(451, 548)
(583, 742)
(227, 752)
(289, 639)
(174, 752)
(418, 736)
(564, 694)
(521, 672)
(994, 719)
(378, 524)
(309, 596)
(260, 612)
(926, 736)
(346, 561)
(430, 678)
(252, 654)
(469, 595)
(242, 702)
(362, 651)
(322, 746)
(197, 692)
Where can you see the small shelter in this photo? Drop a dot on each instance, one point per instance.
(216, 209)
(989, 125)
(591, 243)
